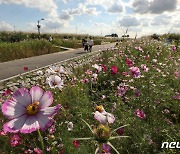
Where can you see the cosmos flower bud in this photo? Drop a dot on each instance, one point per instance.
(102, 133)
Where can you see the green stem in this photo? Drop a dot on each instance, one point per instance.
(100, 148)
(41, 140)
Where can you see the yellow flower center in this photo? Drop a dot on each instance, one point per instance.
(54, 83)
(56, 70)
(99, 108)
(32, 108)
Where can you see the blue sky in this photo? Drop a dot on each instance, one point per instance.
(95, 17)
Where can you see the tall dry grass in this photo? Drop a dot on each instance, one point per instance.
(24, 49)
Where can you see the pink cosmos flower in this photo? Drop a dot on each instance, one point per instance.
(88, 72)
(29, 151)
(134, 71)
(104, 67)
(129, 62)
(139, 48)
(15, 140)
(52, 129)
(76, 144)
(106, 148)
(38, 151)
(121, 90)
(173, 48)
(140, 114)
(29, 111)
(94, 77)
(144, 68)
(114, 70)
(85, 80)
(26, 68)
(3, 133)
(176, 74)
(147, 57)
(176, 96)
(124, 73)
(102, 116)
(137, 93)
(120, 131)
(7, 92)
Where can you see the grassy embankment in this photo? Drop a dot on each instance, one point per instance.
(155, 92)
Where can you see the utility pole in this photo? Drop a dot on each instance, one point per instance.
(39, 26)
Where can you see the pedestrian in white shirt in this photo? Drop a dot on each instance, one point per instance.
(90, 43)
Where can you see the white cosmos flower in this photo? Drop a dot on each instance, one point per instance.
(56, 69)
(39, 72)
(102, 116)
(55, 81)
(70, 126)
(99, 68)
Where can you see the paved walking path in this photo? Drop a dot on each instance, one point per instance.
(15, 67)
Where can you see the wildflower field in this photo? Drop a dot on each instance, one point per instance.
(122, 100)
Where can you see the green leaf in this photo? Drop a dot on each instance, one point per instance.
(113, 147)
(88, 125)
(86, 138)
(96, 150)
(115, 137)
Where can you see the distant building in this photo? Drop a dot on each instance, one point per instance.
(112, 35)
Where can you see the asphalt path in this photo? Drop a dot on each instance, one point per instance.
(15, 67)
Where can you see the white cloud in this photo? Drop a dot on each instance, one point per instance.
(161, 20)
(65, 15)
(43, 5)
(159, 6)
(90, 11)
(154, 6)
(4, 26)
(128, 21)
(82, 9)
(140, 6)
(115, 8)
(104, 3)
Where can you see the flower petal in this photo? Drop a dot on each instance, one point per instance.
(100, 117)
(44, 121)
(50, 111)
(36, 93)
(15, 125)
(110, 118)
(22, 96)
(30, 125)
(57, 79)
(12, 109)
(46, 99)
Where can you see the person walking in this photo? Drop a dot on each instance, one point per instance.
(90, 43)
(83, 42)
(50, 38)
(86, 46)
